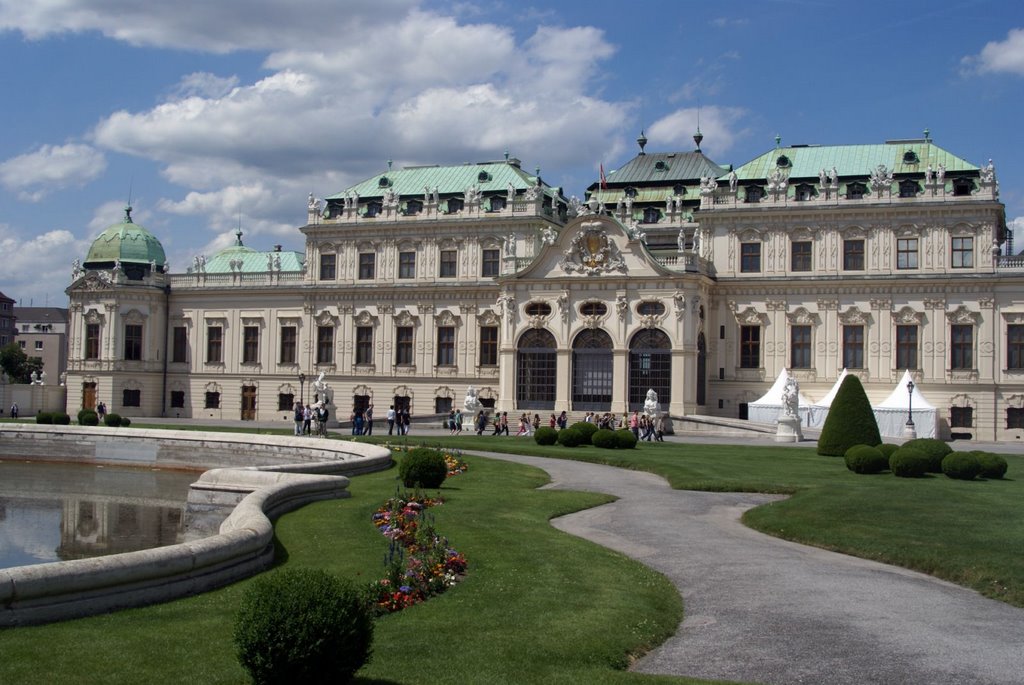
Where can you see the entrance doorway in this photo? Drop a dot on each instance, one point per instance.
(248, 403)
(536, 363)
(88, 395)
(592, 372)
(650, 368)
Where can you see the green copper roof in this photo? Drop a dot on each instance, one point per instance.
(663, 168)
(898, 156)
(252, 261)
(125, 242)
(489, 177)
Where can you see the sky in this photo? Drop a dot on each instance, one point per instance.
(214, 114)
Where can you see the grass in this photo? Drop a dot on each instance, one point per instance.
(536, 606)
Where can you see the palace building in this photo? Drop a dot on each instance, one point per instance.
(678, 274)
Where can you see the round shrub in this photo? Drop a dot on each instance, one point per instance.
(87, 417)
(887, 449)
(933, 448)
(907, 462)
(112, 420)
(586, 431)
(125, 422)
(44, 417)
(570, 437)
(545, 435)
(961, 466)
(423, 467)
(605, 439)
(625, 439)
(866, 459)
(302, 625)
(850, 420)
(61, 418)
(83, 412)
(992, 465)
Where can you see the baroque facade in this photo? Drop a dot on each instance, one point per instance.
(698, 280)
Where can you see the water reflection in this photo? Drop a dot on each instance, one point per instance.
(57, 512)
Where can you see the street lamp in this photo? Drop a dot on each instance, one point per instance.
(302, 395)
(909, 431)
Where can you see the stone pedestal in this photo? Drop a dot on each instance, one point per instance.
(909, 432)
(789, 429)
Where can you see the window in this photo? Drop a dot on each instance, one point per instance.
(212, 400)
(753, 194)
(179, 345)
(446, 346)
(962, 186)
(328, 267)
(800, 347)
(39, 344)
(490, 263)
(961, 417)
(804, 192)
(325, 344)
(251, 345)
(1015, 346)
(906, 253)
(497, 203)
(131, 398)
(800, 255)
(963, 253)
(488, 346)
(538, 309)
(856, 191)
(442, 405)
(853, 347)
(651, 215)
(21, 344)
(906, 347)
(289, 336)
(214, 344)
(133, 342)
(750, 347)
(1014, 417)
(750, 257)
(373, 209)
(853, 255)
(285, 401)
(364, 344)
(961, 347)
(448, 264)
(455, 205)
(177, 399)
(403, 346)
(908, 188)
(586, 309)
(367, 265)
(650, 308)
(413, 207)
(407, 265)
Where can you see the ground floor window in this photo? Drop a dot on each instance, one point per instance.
(961, 417)
(285, 401)
(1015, 417)
(177, 399)
(212, 400)
(131, 398)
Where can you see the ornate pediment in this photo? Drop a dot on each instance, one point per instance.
(134, 316)
(446, 318)
(854, 316)
(750, 317)
(488, 318)
(963, 315)
(364, 318)
(93, 316)
(749, 235)
(404, 318)
(802, 317)
(592, 252)
(325, 318)
(853, 233)
(907, 316)
(252, 321)
(93, 281)
(1013, 317)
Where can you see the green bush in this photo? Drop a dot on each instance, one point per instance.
(605, 439)
(125, 422)
(887, 449)
(961, 466)
(907, 462)
(992, 465)
(84, 412)
(545, 435)
(934, 448)
(570, 437)
(625, 438)
(87, 417)
(850, 421)
(586, 431)
(423, 467)
(44, 417)
(61, 418)
(866, 459)
(112, 420)
(302, 626)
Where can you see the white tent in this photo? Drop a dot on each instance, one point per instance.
(766, 409)
(892, 413)
(818, 411)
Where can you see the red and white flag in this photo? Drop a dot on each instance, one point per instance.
(604, 180)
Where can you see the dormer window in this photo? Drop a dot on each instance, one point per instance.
(497, 203)
(783, 162)
(804, 192)
(384, 182)
(630, 192)
(910, 157)
(908, 188)
(754, 194)
(455, 204)
(538, 309)
(373, 209)
(962, 186)
(856, 191)
(660, 166)
(651, 215)
(679, 189)
(413, 207)
(483, 177)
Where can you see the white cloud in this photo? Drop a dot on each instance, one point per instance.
(999, 56)
(51, 167)
(39, 267)
(720, 126)
(204, 84)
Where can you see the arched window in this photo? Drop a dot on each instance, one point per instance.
(650, 368)
(592, 373)
(536, 367)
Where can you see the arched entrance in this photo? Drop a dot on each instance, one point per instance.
(592, 372)
(536, 363)
(650, 367)
(702, 370)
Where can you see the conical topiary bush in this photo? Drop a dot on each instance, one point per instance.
(850, 420)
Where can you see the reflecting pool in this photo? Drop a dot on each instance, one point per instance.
(58, 512)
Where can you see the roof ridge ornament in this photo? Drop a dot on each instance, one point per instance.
(642, 142)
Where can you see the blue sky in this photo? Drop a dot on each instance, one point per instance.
(217, 112)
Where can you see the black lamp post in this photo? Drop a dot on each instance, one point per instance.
(302, 383)
(909, 430)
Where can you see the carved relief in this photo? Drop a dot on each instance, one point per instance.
(446, 318)
(751, 317)
(488, 318)
(325, 318)
(404, 318)
(962, 315)
(592, 252)
(801, 317)
(854, 316)
(907, 316)
(364, 318)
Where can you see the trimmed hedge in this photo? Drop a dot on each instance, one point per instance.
(887, 449)
(850, 421)
(112, 420)
(87, 417)
(570, 437)
(866, 459)
(61, 418)
(44, 417)
(125, 422)
(302, 626)
(992, 465)
(933, 448)
(961, 466)
(907, 462)
(423, 467)
(586, 431)
(545, 435)
(625, 438)
(605, 439)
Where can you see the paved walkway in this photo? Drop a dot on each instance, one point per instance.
(763, 610)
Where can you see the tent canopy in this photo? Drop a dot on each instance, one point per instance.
(773, 397)
(826, 401)
(900, 398)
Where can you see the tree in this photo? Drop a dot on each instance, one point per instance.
(17, 365)
(850, 421)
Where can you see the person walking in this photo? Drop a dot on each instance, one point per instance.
(458, 422)
(368, 420)
(297, 410)
(307, 419)
(391, 419)
(634, 424)
(504, 423)
(481, 422)
(14, 410)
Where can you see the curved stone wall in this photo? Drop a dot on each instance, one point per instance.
(259, 478)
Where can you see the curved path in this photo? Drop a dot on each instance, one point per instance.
(763, 610)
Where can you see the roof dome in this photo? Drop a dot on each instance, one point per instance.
(127, 243)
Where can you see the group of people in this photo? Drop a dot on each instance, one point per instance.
(311, 419)
(362, 421)
(398, 419)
